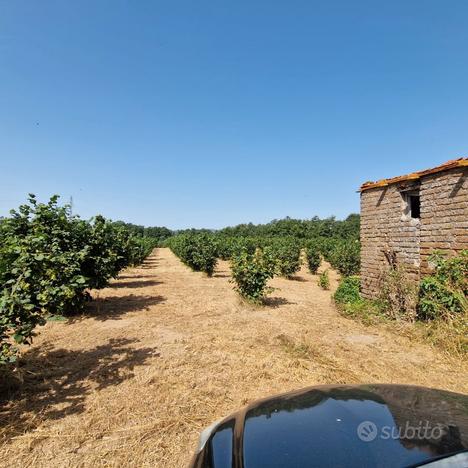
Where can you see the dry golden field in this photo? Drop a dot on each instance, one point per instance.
(164, 351)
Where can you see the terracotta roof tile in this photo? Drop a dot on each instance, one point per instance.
(454, 163)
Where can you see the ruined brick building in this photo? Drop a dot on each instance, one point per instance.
(404, 219)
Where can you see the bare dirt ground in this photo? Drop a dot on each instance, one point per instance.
(165, 351)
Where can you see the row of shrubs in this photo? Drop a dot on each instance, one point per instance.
(256, 260)
(49, 260)
(343, 255)
(198, 251)
(439, 300)
(251, 271)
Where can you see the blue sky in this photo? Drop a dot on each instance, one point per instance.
(212, 113)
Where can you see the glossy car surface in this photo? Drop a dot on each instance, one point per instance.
(361, 426)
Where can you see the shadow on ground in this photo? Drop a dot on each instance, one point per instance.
(111, 308)
(149, 264)
(276, 302)
(55, 382)
(298, 278)
(122, 277)
(134, 284)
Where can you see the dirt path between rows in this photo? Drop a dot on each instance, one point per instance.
(165, 351)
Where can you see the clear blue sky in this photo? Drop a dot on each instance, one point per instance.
(212, 113)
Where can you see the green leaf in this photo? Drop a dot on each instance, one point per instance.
(18, 337)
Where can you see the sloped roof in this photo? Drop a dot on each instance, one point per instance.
(452, 164)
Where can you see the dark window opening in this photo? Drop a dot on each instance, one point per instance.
(415, 206)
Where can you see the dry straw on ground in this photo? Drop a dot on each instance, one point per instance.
(165, 351)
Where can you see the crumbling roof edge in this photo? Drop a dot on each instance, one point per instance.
(452, 164)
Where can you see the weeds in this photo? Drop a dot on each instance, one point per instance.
(296, 350)
(444, 294)
(437, 312)
(324, 280)
(399, 295)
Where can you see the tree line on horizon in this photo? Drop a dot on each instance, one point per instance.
(287, 227)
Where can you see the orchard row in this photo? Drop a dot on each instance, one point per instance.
(49, 260)
(255, 260)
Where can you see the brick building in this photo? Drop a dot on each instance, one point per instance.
(405, 218)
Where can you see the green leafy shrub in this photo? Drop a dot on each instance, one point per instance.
(157, 234)
(313, 258)
(453, 271)
(106, 249)
(204, 256)
(443, 305)
(142, 247)
(345, 257)
(444, 294)
(227, 247)
(438, 300)
(287, 254)
(251, 272)
(224, 247)
(348, 290)
(326, 247)
(48, 261)
(324, 280)
(41, 270)
(349, 302)
(198, 251)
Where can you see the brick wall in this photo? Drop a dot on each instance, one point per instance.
(387, 227)
(444, 213)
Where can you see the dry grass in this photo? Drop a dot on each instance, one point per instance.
(448, 334)
(164, 352)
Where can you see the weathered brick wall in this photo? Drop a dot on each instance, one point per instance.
(444, 213)
(386, 227)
